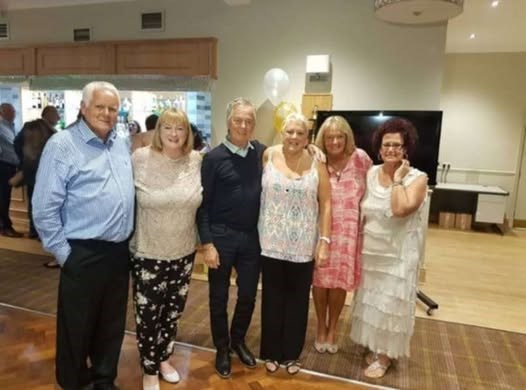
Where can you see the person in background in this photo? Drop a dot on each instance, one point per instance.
(83, 208)
(29, 144)
(294, 229)
(144, 139)
(347, 166)
(227, 223)
(199, 141)
(168, 188)
(50, 115)
(8, 165)
(384, 303)
(134, 128)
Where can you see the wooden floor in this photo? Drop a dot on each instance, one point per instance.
(28, 350)
(477, 278)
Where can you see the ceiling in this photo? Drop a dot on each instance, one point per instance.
(496, 29)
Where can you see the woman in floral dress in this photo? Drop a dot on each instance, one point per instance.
(168, 187)
(347, 166)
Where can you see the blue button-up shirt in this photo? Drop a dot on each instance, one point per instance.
(84, 190)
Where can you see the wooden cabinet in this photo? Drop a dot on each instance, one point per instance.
(17, 61)
(171, 57)
(76, 59)
(176, 57)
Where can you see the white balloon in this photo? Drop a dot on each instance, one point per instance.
(276, 84)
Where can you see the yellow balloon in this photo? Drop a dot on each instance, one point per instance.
(281, 112)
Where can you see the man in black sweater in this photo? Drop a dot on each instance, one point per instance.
(227, 223)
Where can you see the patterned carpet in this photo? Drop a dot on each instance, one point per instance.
(443, 355)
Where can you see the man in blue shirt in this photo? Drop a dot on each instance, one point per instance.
(8, 164)
(83, 211)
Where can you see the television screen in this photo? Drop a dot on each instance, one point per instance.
(427, 123)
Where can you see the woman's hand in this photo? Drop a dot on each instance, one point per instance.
(316, 153)
(210, 256)
(322, 253)
(402, 171)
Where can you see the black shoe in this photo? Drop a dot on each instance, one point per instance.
(105, 386)
(244, 354)
(223, 363)
(10, 232)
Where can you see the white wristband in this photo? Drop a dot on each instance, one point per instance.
(326, 239)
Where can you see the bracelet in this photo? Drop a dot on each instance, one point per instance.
(326, 239)
(397, 183)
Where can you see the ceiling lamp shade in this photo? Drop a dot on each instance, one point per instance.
(417, 11)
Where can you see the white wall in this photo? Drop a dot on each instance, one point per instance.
(375, 65)
(484, 104)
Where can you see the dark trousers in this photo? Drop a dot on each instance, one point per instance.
(7, 171)
(160, 289)
(30, 187)
(284, 308)
(241, 251)
(91, 314)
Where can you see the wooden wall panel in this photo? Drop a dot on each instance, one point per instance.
(17, 61)
(178, 57)
(77, 59)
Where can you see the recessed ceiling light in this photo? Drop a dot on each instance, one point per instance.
(472, 36)
(495, 3)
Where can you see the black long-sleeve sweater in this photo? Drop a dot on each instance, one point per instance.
(231, 190)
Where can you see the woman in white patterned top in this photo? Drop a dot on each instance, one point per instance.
(294, 228)
(168, 187)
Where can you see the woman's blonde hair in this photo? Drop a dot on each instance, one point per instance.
(295, 118)
(173, 115)
(338, 123)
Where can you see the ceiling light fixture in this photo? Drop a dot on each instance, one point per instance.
(472, 36)
(417, 11)
(495, 3)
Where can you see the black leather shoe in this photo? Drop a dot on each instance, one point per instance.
(10, 232)
(105, 386)
(223, 363)
(244, 354)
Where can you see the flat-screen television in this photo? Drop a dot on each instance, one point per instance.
(427, 123)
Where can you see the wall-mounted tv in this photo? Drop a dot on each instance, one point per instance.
(428, 125)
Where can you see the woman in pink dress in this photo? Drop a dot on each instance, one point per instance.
(347, 166)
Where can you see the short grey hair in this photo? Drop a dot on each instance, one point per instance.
(295, 117)
(239, 101)
(90, 88)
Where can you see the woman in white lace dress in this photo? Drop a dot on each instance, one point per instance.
(384, 304)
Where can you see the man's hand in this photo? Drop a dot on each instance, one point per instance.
(316, 153)
(210, 256)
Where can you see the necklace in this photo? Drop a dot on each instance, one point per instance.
(338, 171)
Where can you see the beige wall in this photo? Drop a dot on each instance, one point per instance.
(375, 65)
(484, 103)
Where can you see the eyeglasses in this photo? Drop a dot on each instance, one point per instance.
(393, 145)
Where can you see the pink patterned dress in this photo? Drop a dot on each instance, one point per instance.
(343, 268)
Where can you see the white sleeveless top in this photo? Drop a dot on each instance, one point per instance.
(288, 217)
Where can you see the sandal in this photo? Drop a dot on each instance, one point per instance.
(293, 367)
(320, 347)
(377, 369)
(271, 366)
(370, 358)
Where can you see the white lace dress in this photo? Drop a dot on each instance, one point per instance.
(384, 304)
